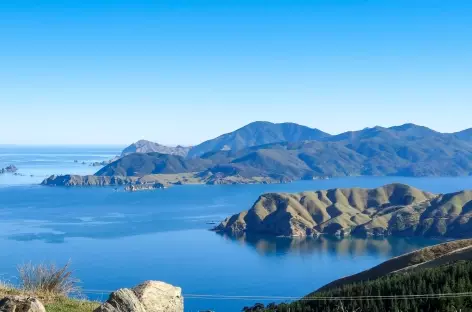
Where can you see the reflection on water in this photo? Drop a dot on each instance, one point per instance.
(350, 246)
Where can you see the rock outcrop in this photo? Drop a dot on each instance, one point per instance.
(21, 304)
(160, 297)
(122, 300)
(394, 209)
(150, 296)
(143, 187)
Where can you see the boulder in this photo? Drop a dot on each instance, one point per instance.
(122, 300)
(21, 304)
(150, 296)
(160, 297)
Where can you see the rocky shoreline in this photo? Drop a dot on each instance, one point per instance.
(143, 187)
(154, 181)
(88, 180)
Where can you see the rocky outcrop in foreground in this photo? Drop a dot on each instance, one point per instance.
(394, 209)
(150, 296)
(21, 304)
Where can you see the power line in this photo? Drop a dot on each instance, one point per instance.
(314, 298)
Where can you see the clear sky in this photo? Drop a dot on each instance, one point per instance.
(180, 72)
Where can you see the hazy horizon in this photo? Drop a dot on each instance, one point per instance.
(124, 144)
(82, 73)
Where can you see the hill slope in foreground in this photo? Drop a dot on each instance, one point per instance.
(418, 276)
(394, 209)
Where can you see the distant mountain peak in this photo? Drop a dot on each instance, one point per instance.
(145, 146)
(411, 126)
(258, 133)
(142, 142)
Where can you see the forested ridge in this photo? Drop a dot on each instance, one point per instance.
(453, 278)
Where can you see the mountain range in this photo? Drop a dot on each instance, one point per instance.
(263, 151)
(263, 133)
(291, 152)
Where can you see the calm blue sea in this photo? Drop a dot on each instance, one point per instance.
(119, 239)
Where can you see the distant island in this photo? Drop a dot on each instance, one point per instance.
(394, 209)
(9, 169)
(263, 152)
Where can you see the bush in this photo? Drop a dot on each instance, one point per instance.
(48, 279)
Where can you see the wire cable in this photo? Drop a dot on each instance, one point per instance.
(313, 298)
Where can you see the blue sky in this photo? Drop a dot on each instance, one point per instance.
(180, 72)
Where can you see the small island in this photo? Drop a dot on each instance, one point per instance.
(9, 169)
(394, 209)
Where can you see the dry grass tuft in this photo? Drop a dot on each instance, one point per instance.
(48, 280)
(52, 285)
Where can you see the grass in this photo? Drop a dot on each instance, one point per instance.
(71, 305)
(52, 285)
(48, 279)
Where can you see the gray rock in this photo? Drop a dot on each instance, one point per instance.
(143, 187)
(122, 300)
(21, 304)
(160, 297)
(150, 296)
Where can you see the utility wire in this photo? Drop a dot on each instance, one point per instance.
(314, 298)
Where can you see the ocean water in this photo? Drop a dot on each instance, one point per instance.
(38, 162)
(117, 239)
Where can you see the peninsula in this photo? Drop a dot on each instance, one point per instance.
(394, 209)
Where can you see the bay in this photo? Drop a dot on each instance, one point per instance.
(117, 239)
